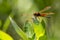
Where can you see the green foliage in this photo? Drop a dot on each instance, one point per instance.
(28, 29)
(38, 30)
(7, 23)
(25, 9)
(18, 30)
(5, 36)
(0, 23)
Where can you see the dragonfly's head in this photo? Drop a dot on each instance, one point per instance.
(37, 14)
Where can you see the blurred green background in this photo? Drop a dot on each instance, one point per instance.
(21, 10)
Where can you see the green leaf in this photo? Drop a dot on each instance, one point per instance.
(7, 23)
(38, 29)
(5, 36)
(28, 29)
(18, 30)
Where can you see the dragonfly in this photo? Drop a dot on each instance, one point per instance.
(40, 13)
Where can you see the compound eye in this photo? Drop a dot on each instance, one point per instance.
(37, 14)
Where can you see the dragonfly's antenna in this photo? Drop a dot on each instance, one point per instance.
(47, 8)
